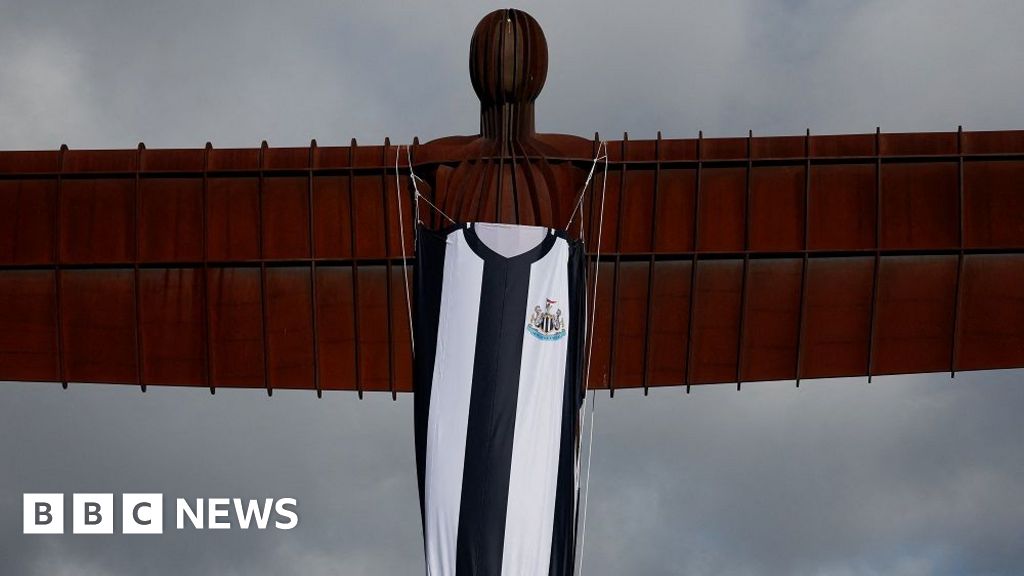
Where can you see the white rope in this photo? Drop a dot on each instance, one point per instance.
(582, 194)
(401, 229)
(401, 236)
(416, 189)
(431, 204)
(581, 205)
(586, 485)
(590, 350)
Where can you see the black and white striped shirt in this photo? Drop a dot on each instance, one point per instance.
(500, 324)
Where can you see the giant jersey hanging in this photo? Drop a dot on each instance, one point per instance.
(499, 334)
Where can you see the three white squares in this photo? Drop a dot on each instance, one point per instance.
(92, 513)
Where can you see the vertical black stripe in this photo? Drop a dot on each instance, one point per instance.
(492, 416)
(428, 276)
(563, 537)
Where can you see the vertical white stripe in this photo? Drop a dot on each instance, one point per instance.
(538, 430)
(449, 403)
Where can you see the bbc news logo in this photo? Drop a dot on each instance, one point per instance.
(144, 513)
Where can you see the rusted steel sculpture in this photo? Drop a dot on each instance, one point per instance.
(507, 173)
(723, 259)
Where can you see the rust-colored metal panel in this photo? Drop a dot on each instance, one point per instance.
(722, 209)
(640, 150)
(173, 160)
(97, 220)
(617, 150)
(290, 327)
(439, 195)
(684, 149)
(82, 161)
(841, 207)
(994, 142)
(716, 321)
(601, 334)
(914, 314)
(771, 319)
(368, 216)
(366, 156)
(630, 325)
(332, 219)
(920, 206)
(171, 326)
(724, 148)
(991, 313)
(511, 199)
(232, 216)
(395, 239)
(27, 234)
(674, 212)
(236, 328)
(670, 305)
(170, 219)
(333, 157)
(232, 159)
(28, 325)
(842, 145)
(777, 208)
(401, 344)
(285, 217)
(612, 203)
(562, 177)
(29, 161)
(637, 209)
(335, 321)
(994, 204)
(99, 331)
(372, 327)
(836, 317)
(286, 158)
(778, 147)
(918, 143)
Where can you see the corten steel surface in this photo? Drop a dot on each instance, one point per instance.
(722, 259)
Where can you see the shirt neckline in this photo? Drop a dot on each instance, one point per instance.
(488, 254)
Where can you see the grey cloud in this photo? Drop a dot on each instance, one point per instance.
(837, 475)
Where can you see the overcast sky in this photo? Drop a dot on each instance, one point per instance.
(906, 475)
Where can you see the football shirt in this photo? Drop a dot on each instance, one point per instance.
(499, 331)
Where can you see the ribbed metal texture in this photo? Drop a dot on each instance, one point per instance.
(722, 260)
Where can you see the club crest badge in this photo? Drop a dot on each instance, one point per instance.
(547, 324)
